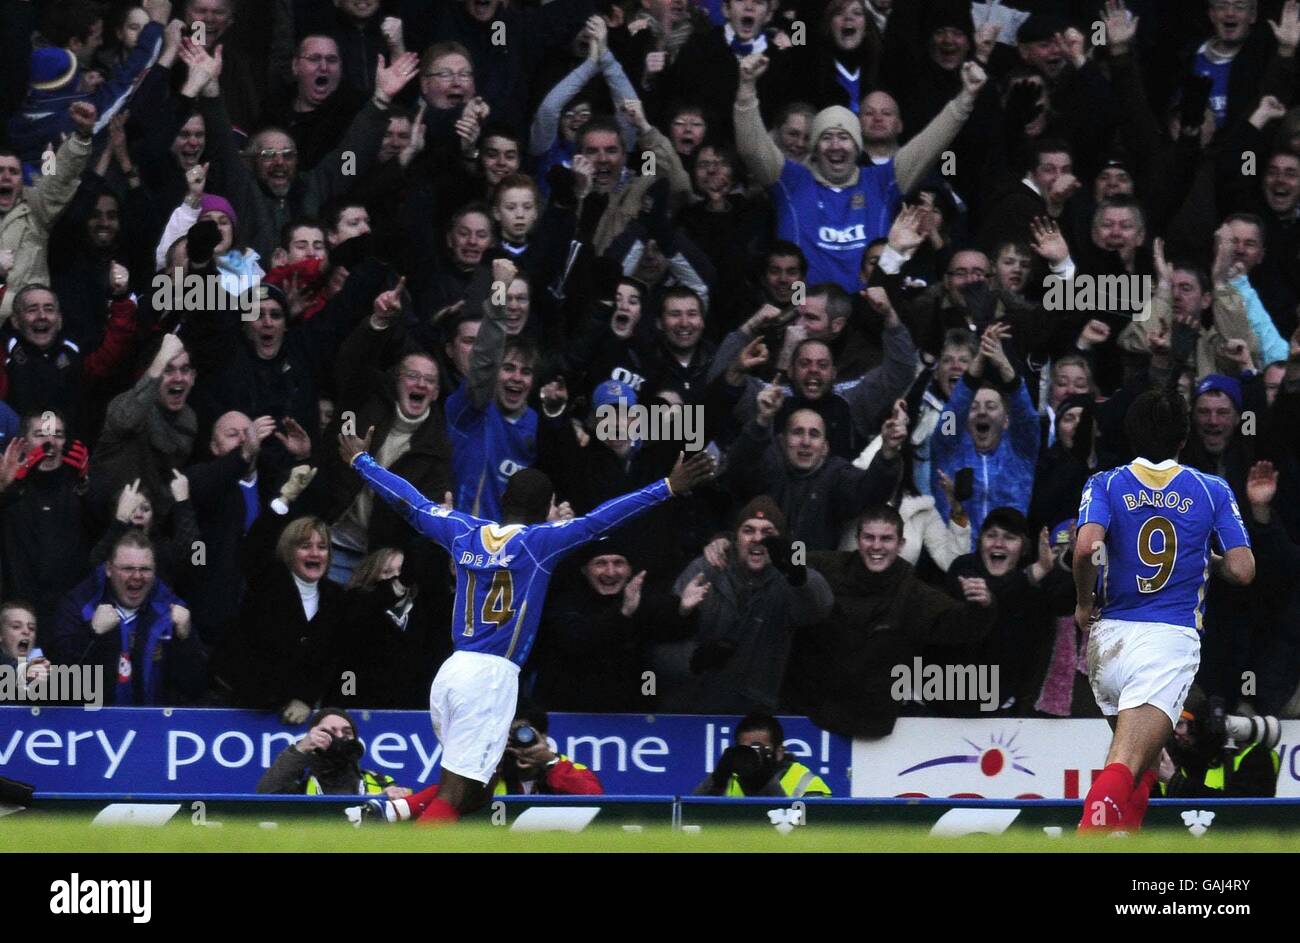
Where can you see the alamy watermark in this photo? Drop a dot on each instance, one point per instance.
(86, 896)
(936, 683)
(180, 292)
(658, 422)
(1131, 293)
(54, 684)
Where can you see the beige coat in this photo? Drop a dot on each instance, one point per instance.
(26, 228)
(626, 204)
(1230, 323)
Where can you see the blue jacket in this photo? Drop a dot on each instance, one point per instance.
(43, 118)
(1004, 478)
(161, 664)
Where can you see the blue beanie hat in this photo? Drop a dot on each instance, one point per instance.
(53, 69)
(610, 392)
(1218, 383)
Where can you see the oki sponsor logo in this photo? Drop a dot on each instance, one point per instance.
(846, 236)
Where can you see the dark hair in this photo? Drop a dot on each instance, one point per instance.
(882, 513)
(1156, 424)
(303, 222)
(333, 211)
(1196, 271)
(324, 712)
(1046, 146)
(70, 19)
(960, 337)
(1253, 220)
(501, 131)
(521, 345)
(474, 206)
(687, 108)
(681, 292)
(396, 112)
(37, 414)
(762, 720)
(1014, 244)
(634, 283)
(781, 247)
(598, 125)
(527, 497)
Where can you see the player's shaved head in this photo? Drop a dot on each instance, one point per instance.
(527, 498)
(1156, 425)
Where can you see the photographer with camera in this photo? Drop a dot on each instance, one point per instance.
(531, 767)
(327, 762)
(528, 767)
(1214, 755)
(757, 765)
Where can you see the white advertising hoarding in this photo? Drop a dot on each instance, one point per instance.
(1005, 758)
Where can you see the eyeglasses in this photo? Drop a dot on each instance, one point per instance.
(688, 123)
(134, 570)
(577, 113)
(411, 377)
(1239, 6)
(270, 153)
(713, 164)
(318, 59)
(446, 75)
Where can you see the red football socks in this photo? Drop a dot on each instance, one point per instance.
(1108, 799)
(1137, 803)
(419, 801)
(438, 812)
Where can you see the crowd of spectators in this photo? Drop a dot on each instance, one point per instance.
(838, 231)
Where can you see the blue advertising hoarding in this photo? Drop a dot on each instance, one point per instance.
(194, 750)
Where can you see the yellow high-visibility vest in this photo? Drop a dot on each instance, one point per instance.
(796, 782)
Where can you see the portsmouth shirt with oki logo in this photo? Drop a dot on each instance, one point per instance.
(834, 225)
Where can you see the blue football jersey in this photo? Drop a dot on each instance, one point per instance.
(487, 448)
(1159, 520)
(833, 225)
(502, 570)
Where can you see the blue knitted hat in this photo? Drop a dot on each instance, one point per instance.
(53, 69)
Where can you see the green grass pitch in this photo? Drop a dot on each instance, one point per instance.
(60, 835)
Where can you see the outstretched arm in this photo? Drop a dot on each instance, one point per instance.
(915, 158)
(440, 524)
(553, 540)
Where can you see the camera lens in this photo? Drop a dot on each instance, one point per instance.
(524, 736)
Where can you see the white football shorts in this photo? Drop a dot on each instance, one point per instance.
(472, 704)
(1136, 663)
